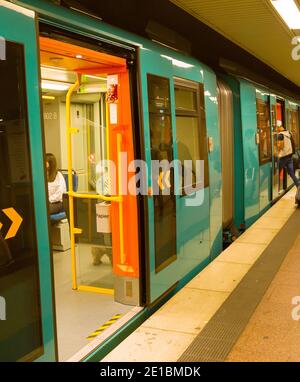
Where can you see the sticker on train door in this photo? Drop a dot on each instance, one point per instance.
(112, 98)
(113, 114)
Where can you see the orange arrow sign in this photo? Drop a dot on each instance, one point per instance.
(16, 222)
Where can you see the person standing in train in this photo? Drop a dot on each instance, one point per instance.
(56, 185)
(285, 153)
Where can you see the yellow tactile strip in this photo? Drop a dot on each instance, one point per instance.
(106, 325)
(160, 338)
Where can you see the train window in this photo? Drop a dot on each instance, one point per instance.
(264, 130)
(274, 118)
(20, 332)
(161, 138)
(293, 125)
(190, 126)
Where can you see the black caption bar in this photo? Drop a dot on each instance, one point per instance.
(135, 371)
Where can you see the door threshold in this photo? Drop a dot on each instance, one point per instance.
(94, 344)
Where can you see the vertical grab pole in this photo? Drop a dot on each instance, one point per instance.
(107, 131)
(121, 220)
(70, 179)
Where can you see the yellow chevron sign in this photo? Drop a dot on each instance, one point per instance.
(165, 175)
(16, 220)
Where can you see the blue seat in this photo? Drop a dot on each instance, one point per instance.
(74, 179)
(58, 217)
(55, 218)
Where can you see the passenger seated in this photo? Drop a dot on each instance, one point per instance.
(56, 185)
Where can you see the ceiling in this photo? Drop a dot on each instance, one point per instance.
(60, 54)
(254, 25)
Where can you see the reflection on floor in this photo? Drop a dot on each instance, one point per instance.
(79, 313)
(89, 274)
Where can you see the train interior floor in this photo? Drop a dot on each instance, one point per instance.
(80, 313)
(239, 308)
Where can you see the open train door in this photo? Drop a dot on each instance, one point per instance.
(26, 309)
(275, 160)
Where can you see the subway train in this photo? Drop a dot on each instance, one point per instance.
(75, 283)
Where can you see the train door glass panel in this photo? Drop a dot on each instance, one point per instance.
(21, 333)
(161, 137)
(94, 249)
(191, 143)
(264, 131)
(293, 125)
(275, 156)
(88, 117)
(280, 121)
(190, 137)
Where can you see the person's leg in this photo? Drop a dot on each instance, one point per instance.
(282, 167)
(108, 245)
(282, 163)
(96, 255)
(291, 172)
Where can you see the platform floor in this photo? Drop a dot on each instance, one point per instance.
(273, 332)
(183, 327)
(79, 313)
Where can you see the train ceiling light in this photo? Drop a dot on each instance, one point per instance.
(53, 85)
(289, 12)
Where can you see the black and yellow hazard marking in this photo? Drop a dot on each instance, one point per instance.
(104, 326)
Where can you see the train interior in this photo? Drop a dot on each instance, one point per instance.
(82, 314)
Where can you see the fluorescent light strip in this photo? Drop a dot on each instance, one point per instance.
(180, 64)
(51, 85)
(54, 69)
(96, 77)
(289, 12)
(48, 97)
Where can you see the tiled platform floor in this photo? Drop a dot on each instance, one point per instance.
(272, 334)
(169, 331)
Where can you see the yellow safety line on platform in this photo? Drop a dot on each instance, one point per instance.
(104, 326)
(86, 288)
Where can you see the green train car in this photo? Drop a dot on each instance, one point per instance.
(74, 283)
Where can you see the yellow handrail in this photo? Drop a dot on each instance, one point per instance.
(70, 178)
(116, 198)
(72, 194)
